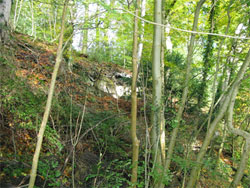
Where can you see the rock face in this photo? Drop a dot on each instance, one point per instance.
(5, 6)
(110, 86)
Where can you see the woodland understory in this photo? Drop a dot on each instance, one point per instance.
(136, 93)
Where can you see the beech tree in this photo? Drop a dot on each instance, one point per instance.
(157, 123)
(85, 31)
(5, 7)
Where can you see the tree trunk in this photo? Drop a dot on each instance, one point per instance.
(32, 17)
(162, 127)
(85, 31)
(135, 141)
(17, 14)
(156, 110)
(222, 144)
(246, 152)
(97, 29)
(185, 90)
(212, 128)
(140, 46)
(214, 88)
(49, 101)
(208, 55)
(5, 7)
(243, 163)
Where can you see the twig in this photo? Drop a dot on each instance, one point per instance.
(88, 130)
(14, 143)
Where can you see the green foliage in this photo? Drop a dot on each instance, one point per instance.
(174, 123)
(20, 100)
(101, 53)
(14, 171)
(166, 176)
(175, 65)
(109, 132)
(48, 169)
(53, 140)
(183, 163)
(116, 174)
(141, 174)
(112, 175)
(26, 105)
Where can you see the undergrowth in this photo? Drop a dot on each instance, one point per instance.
(105, 132)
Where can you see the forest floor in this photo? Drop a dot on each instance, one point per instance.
(25, 73)
(78, 105)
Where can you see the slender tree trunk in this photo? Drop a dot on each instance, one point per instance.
(246, 152)
(32, 17)
(139, 56)
(55, 21)
(157, 93)
(214, 88)
(107, 24)
(222, 144)
(17, 15)
(49, 101)
(162, 127)
(227, 71)
(208, 55)
(85, 31)
(162, 124)
(140, 46)
(5, 7)
(223, 108)
(185, 90)
(243, 163)
(97, 30)
(135, 141)
(50, 26)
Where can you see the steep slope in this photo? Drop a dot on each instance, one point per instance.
(86, 101)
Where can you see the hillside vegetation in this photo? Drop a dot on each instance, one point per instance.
(79, 105)
(136, 93)
(103, 149)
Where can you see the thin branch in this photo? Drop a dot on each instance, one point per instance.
(87, 131)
